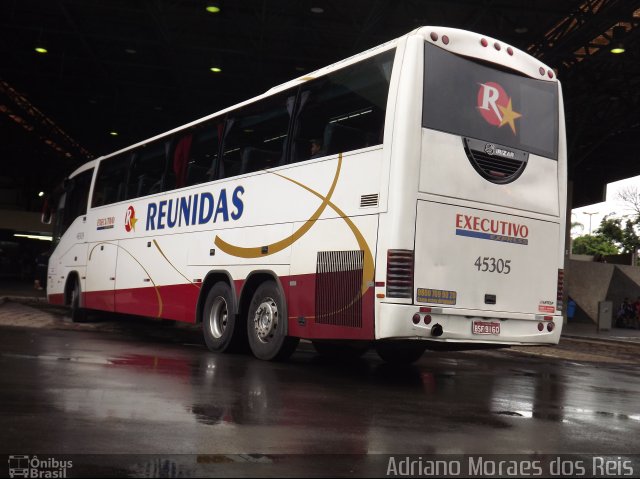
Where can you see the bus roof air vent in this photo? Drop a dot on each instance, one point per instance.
(495, 163)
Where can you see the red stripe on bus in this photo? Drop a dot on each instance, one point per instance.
(178, 302)
(57, 299)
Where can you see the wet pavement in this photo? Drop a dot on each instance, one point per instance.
(153, 398)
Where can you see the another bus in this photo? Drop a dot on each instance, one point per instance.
(412, 196)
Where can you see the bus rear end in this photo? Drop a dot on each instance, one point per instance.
(485, 264)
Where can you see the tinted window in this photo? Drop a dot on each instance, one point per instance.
(467, 98)
(111, 181)
(80, 193)
(147, 170)
(195, 154)
(73, 202)
(255, 136)
(344, 110)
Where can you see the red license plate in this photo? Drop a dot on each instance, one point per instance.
(486, 327)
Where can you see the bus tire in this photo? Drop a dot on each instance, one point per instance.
(78, 314)
(266, 324)
(220, 325)
(400, 352)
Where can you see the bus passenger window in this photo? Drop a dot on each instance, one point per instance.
(147, 170)
(111, 180)
(203, 153)
(344, 110)
(256, 136)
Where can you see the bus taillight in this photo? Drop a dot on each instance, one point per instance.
(560, 289)
(399, 273)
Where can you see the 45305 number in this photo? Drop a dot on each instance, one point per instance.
(493, 265)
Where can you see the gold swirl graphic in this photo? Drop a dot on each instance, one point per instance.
(155, 287)
(172, 265)
(256, 252)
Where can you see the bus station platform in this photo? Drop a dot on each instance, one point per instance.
(590, 331)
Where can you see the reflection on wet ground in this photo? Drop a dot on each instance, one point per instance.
(97, 392)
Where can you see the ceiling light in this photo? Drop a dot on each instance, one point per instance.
(41, 50)
(521, 29)
(113, 133)
(317, 10)
(131, 51)
(617, 45)
(212, 9)
(215, 69)
(41, 194)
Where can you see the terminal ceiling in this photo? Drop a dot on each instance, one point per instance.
(142, 67)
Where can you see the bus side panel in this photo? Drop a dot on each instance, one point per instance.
(330, 304)
(101, 273)
(177, 302)
(56, 277)
(69, 256)
(151, 279)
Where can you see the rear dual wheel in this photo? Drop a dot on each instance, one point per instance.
(220, 326)
(267, 324)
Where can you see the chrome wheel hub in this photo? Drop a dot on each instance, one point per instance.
(265, 320)
(218, 317)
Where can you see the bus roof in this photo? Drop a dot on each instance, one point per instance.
(459, 41)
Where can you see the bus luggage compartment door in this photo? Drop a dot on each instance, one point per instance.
(483, 260)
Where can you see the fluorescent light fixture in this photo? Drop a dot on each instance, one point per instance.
(215, 69)
(213, 9)
(113, 133)
(36, 237)
(41, 50)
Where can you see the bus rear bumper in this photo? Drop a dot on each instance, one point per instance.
(396, 321)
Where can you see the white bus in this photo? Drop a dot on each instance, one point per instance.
(409, 197)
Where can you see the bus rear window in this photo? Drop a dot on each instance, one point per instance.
(474, 100)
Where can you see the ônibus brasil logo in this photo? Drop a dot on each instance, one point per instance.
(495, 106)
(130, 219)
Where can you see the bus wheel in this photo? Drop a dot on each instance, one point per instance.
(219, 323)
(400, 352)
(266, 324)
(341, 350)
(78, 314)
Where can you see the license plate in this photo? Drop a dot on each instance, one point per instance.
(486, 327)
